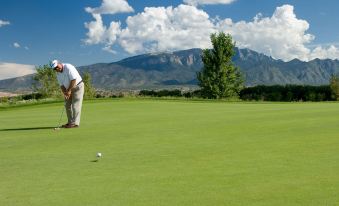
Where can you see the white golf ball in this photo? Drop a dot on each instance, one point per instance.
(99, 154)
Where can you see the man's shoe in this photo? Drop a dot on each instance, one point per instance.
(72, 126)
(65, 125)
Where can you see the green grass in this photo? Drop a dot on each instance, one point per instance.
(171, 153)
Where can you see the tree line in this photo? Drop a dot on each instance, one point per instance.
(287, 93)
(280, 93)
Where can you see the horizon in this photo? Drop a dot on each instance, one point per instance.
(106, 31)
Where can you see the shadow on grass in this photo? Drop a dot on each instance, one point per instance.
(26, 129)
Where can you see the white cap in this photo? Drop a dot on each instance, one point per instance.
(54, 64)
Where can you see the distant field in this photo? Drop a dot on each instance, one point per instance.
(159, 152)
(6, 94)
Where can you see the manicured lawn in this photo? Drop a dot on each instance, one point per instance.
(171, 153)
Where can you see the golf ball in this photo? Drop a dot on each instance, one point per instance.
(99, 154)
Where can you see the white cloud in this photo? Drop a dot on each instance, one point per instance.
(109, 49)
(4, 23)
(203, 2)
(156, 29)
(96, 30)
(11, 70)
(16, 45)
(160, 29)
(99, 34)
(330, 52)
(282, 36)
(111, 7)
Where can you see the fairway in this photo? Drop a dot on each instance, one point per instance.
(171, 152)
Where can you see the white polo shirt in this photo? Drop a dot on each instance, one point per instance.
(68, 74)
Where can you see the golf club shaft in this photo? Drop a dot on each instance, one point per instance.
(62, 113)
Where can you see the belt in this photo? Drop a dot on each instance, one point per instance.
(79, 82)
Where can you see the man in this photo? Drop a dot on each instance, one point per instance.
(72, 87)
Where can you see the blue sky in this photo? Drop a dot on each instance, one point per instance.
(33, 32)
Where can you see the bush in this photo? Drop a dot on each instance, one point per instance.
(161, 93)
(32, 96)
(4, 100)
(287, 93)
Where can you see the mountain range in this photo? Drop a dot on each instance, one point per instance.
(178, 69)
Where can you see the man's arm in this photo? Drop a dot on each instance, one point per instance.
(63, 89)
(71, 85)
(68, 91)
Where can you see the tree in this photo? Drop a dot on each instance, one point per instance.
(334, 84)
(46, 82)
(89, 89)
(219, 78)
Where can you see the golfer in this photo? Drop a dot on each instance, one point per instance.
(72, 87)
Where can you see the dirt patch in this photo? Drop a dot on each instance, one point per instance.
(6, 94)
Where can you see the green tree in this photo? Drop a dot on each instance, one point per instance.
(46, 82)
(89, 89)
(219, 77)
(334, 84)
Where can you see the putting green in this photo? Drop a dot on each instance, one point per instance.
(171, 153)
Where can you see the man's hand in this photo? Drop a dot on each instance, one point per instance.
(67, 94)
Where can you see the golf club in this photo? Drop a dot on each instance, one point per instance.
(62, 112)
